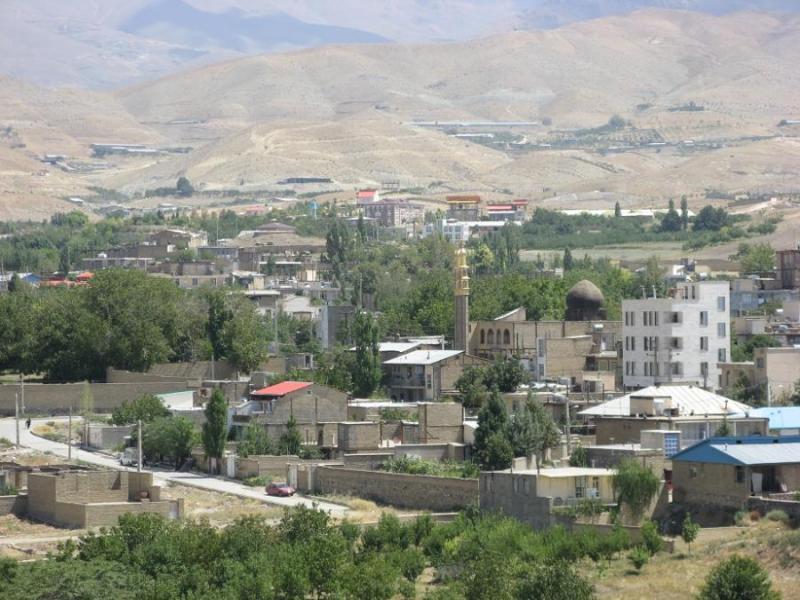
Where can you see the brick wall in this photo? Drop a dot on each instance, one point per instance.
(13, 505)
(418, 492)
(97, 486)
(56, 398)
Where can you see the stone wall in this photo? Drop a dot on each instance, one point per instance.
(764, 505)
(420, 492)
(258, 466)
(57, 398)
(708, 484)
(441, 422)
(359, 435)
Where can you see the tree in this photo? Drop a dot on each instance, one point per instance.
(184, 187)
(245, 337)
(87, 400)
(255, 442)
(710, 219)
(579, 457)
(553, 580)
(367, 371)
(146, 408)
(757, 258)
(491, 438)
(533, 431)
(738, 578)
(291, 442)
(169, 437)
(635, 486)
(617, 209)
(504, 374)
(471, 386)
(689, 531)
(616, 122)
(218, 316)
(215, 429)
(671, 221)
(568, 262)
(684, 213)
(651, 538)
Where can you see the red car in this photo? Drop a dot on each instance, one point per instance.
(280, 489)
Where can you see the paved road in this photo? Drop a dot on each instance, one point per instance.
(161, 477)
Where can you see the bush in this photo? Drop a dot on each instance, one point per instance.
(257, 481)
(579, 457)
(410, 562)
(8, 490)
(5, 442)
(651, 538)
(639, 557)
(738, 578)
(689, 531)
(739, 518)
(636, 486)
(778, 516)
(755, 515)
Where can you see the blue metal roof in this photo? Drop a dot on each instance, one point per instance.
(780, 417)
(744, 451)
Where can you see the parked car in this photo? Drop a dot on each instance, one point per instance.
(280, 489)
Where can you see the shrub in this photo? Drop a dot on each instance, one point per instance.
(579, 457)
(737, 578)
(739, 518)
(5, 442)
(554, 581)
(689, 531)
(636, 486)
(410, 562)
(755, 515)
(8, 489)
(639, 557)
(651, 538)
(778, 516)
(257, 481)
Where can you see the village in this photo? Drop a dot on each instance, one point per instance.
(646, 423)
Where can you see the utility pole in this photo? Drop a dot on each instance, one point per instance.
(566, 411)
(139, 446)
(16, 416)
(22, 391)
(69, 435)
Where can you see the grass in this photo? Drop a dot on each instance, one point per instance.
(417, 466)
(257, 481)
(770, 543)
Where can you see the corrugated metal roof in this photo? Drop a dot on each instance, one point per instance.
(688, 399)
(423, 357)
(750, 451)
(283, 388)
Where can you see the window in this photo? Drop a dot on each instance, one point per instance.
(527, 484)
(428, 381)
(703, 317)
(633, 319)
(483, 336)
(722, 355)
(721, 303)
(677, 368)
(675, 343)
(675, 317)
(655, 315)
(739, 474)
(646, 369)
(627, 320)
(516, 485)
(704, 343)
(633, 368)
(704, 369)
(644, 318)
(721, 330)
(694, 292)
(646, 344)
(491, 337)
(693, 472)
(633, 344)
(507, 337)
(540, 345)
(760, 363)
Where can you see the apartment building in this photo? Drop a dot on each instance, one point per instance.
(678, 339)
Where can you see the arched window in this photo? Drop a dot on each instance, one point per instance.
(483, 336)
(507, 337)
(499, 337)
(491, 337)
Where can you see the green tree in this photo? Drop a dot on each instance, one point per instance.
(169, 438)
(567, 262)
(291, 442)
(710, 219)
(255, 441)
(553, 580)
(638, 557)
(636, 486)
(218, 316)
(215, 429)
(533, 431)
(471, 386)
(651, 539)
(579, 457)
(184, 187)
(684, 213)
(367, 368)
(757, 258)
(738, 578)
(504, 374)
(689, 531)
(245, 337)
(671, 221)
(617, 209)
(492, 446)
(146, 408)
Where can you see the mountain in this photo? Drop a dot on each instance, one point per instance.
(109, 43)
(179, 23)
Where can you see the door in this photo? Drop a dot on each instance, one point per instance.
(758, 481)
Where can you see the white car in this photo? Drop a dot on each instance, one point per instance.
(129, 457)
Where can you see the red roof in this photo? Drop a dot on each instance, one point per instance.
(283, 388)
(520, 202)
(500, 207)
(366, 193)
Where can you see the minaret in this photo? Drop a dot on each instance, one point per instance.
(461, 276)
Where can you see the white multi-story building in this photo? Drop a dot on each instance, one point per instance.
(678, 339)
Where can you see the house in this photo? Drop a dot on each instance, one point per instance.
(390, 350)
(531, 497)
(693, 411)
(334, 324)
(464, 207)
(677, 339)
(299, 307)
(425, 375)
(773, 372)
(392, 212)
(789, 268)
(180, 239)
(753, 293)
(456, 231)
(725, 471)
(315, 408)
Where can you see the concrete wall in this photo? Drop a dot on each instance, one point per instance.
(107, 436)
(359, 435)
(419, 492)
(264, 465)
(764, 505)
(57, 398)
(441, 422)
(498, 493)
